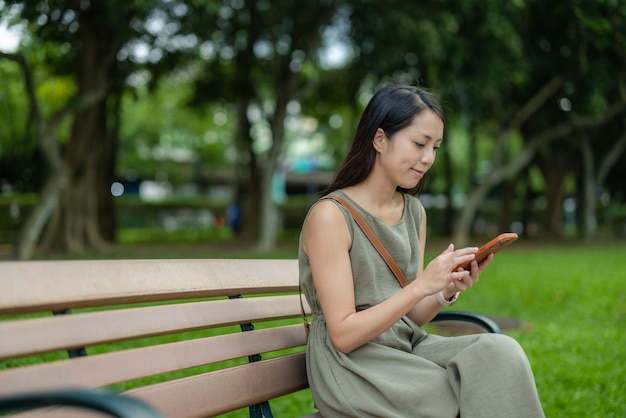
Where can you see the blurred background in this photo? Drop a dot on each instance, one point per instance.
(129, 121)
(207, 128)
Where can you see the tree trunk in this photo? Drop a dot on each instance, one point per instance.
(284, 86)
(106, 173)
(30, 232)
(611, 158)
(86, 156)
(86, 212)
(268, 218)
(60, 172)
(593, 181)
(247, 182)
(526, 214)
(449, 214)
(507, 205)
(554, 171)
(589, 220)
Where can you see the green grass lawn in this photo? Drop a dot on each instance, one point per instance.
(570, 302)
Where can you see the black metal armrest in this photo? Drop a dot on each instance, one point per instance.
(481, 320)
(114, 404)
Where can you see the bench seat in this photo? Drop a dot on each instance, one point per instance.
(165, 333)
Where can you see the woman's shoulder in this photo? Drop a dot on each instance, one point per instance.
(326, 222)
(325, 211)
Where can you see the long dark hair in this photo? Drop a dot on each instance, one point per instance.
(392, 108)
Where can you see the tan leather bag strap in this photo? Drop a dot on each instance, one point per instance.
(307, 326)
(373, 238)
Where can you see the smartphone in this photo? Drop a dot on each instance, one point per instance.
(498, 243)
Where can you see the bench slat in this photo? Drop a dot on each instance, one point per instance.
(33, 336)
(226, 390)
(213, 393)
(60, 412)
(36, 286)
(105, 369)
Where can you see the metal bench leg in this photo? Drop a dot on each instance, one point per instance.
(260, 410)
(73, 352)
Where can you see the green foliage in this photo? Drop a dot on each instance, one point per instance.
(15, 137)
(181, 144)
(487, 60)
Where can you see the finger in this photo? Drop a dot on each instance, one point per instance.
(460, 274)
(475, 269)
(466, 250)
(449, 249)
(461, 285)
(469, 280)
(475, 273)
(463, 259)
(486, 262)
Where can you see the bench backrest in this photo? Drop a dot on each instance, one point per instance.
(169, 331)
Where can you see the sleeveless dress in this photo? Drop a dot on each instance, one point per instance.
(404, 372)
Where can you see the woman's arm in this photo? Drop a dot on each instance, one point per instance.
(327, 241)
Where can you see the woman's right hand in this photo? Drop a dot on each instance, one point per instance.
(440, 272)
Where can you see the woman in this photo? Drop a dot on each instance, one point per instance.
(367, 354)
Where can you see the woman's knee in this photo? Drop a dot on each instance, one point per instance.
(502, 347)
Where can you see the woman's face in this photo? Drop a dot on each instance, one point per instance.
(410, 153)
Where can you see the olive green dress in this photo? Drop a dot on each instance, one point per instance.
(404, 372)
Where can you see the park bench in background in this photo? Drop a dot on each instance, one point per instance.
(166, 333)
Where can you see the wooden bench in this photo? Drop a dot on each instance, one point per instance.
(166, 333)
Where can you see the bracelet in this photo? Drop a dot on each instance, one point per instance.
(447, 302)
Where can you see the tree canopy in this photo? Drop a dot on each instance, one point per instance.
(535, 94)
